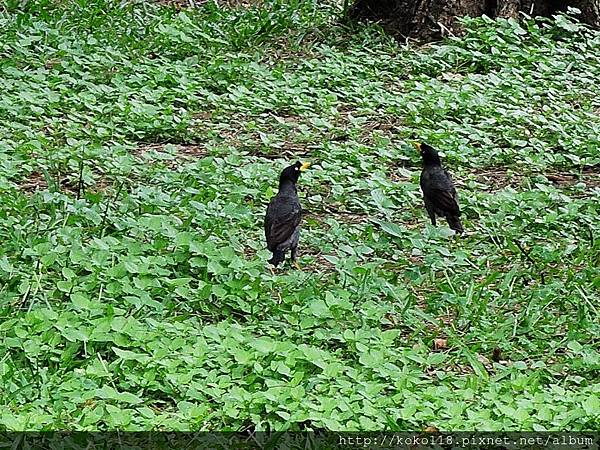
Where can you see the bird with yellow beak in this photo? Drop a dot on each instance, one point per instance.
(284, 213)
(439, 193)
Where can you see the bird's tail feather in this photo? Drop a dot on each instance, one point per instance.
(455, 224)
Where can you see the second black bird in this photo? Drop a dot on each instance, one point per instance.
(438, 189)
(282, 221)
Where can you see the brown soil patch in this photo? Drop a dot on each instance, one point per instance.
(285, 128)
(589, 176)
(35, 182)
(562, 179)
(499, 178)
(182, 152)
(191, 151)
(203, 115)
(281, 49)
(181, 4)
(348, 217)
(387, 126)
(241, 3)
(290, 151)
(101, 185)
(282, 125)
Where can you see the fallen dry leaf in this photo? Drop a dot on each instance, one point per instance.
(440, 344)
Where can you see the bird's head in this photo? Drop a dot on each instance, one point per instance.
(428, 154)
(292, 173)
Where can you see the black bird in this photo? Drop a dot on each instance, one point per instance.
(438, 189)
(282, 221)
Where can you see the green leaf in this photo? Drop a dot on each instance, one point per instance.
(129, 355)
(393, 229)
(81, 300)
(592, 405)
(319, 308)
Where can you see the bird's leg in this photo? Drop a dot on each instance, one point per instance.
(293, 256)
(272, 265)
(294, 253)
(431, 216)
(430, 212)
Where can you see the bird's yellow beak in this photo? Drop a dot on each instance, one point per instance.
(304, 166)
(417, 146)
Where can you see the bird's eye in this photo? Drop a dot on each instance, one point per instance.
(296, 169)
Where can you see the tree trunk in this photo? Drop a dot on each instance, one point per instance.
(431, 19)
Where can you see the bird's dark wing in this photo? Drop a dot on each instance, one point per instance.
(282, 219)
(445, 201)
(439, 189)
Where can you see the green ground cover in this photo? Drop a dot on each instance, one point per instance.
(139, 146)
